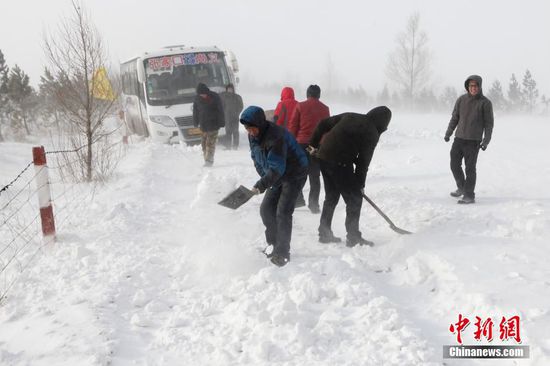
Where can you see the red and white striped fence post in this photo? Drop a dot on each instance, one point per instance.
(44, 195)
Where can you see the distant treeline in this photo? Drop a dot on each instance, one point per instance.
(25, 109)
(517, 98)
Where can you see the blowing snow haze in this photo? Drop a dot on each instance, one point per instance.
(344, 44)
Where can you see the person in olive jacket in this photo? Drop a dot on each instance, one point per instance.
(208, 115)
(345, 145)
(473, 119)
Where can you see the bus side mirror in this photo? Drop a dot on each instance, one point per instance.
(235, 65)
(140, 71)
(233, 61)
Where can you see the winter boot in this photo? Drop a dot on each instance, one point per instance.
(351, 242)
(268, 250)
(314, 209)
(459, 192)
(466, 200)
(280, 260)
(329, 238)
(300, 202)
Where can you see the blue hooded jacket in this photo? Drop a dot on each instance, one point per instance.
(276, 154)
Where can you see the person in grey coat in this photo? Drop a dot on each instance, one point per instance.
(232, 107)
(473, 120)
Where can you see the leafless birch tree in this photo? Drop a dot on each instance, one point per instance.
(409, 64)
(76, 53)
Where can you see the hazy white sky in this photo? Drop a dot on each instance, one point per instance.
(287, 40)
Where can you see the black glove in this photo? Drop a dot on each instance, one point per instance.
(446, 138)
(483, 146)
(258, 188)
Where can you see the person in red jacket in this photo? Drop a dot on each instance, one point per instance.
(303, 122)
(285, 107)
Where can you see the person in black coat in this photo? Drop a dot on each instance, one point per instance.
(208, 115)
(345, 145)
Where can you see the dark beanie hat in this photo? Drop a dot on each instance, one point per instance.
(253, 116)
(202, 89)
(313, 91)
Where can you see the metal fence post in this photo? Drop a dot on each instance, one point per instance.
(44, 195)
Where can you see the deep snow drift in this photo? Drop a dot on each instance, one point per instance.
(154, 272)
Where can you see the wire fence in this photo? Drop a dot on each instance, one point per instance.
(21, 239)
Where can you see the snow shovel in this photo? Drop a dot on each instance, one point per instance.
(237, 198)
(392, 225)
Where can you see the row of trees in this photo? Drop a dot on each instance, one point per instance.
(518, 98)
(408, 68)
(18, 100)
(408, 72)
(70, 99)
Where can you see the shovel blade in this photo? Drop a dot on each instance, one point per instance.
(237, 198)
(399, 230)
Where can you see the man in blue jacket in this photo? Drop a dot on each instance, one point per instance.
(282, 165)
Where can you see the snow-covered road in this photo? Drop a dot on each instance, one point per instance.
(154, 272)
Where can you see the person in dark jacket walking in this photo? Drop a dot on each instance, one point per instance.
(282, 166)
(473, 119)
(306, 117)
(232, 107)
(208, 115)
(345, 145)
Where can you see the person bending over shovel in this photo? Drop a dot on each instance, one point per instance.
(344, 145)
(282, 166)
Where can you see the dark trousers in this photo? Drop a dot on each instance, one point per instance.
(276, 211)
(467, 150)
(339, 181)
(232, 135)
(314, 176)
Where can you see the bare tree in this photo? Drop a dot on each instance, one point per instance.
(330, 75)
(4, 71)
(409, 64)
(76, 56)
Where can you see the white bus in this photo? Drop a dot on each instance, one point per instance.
(158, 89)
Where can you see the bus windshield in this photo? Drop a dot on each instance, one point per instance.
(172, 79)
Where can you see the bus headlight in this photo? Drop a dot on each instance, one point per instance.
(163, 120)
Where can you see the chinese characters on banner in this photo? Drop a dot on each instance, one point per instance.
(167, 62)
(509, 328)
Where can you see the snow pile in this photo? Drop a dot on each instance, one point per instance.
(155, 272)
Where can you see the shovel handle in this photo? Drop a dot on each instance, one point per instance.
(392, 225)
